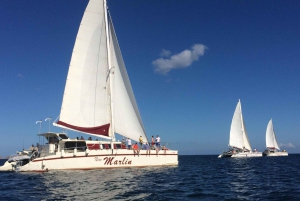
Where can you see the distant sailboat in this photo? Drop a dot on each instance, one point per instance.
(271, 143)
(238, 139)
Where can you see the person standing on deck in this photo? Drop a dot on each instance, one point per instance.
(128, 143)
(147, 147)
(152, 142)
(31, 148)
(141, 142)
(157, 141)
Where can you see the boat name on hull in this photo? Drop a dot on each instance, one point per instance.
(111, 161)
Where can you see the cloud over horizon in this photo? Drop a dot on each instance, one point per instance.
(181, 60)
(289, 145)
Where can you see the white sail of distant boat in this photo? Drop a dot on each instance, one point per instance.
(271, 141)
(238, 133)
(98, 98)
(238, 139)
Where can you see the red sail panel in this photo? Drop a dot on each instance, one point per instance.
(98, 130)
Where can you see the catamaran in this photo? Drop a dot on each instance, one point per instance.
(271, 143)
(238, 140)
(98, 100)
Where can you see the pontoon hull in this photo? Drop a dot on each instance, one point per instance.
(97, 159)
(6, 167)
(227, 154)
(247, 154)
(267, 153)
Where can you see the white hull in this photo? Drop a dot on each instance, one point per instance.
(6, 166)
(97, 159)
(247, 154)
(226, 154)
(266, 153)
(223, 156)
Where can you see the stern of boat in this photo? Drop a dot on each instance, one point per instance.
(6, 167)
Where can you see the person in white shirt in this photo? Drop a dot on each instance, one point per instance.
(128, 143)
(157, 141)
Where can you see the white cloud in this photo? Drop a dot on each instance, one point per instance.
(181, 60)
(165, 53)
(289, 145)
(20, 76)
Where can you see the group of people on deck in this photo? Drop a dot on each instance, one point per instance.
(34, 150)
(155, 145)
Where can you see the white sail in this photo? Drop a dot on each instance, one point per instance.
(236, 130)
(271, 141)
(238, 133)
(245, 137)
(98, 94)
(127, 119)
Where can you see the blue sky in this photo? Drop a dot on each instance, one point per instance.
(188, 61)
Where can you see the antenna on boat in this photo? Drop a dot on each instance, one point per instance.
(48, 119)
(40, 122)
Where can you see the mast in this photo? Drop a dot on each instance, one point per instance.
(112, 130)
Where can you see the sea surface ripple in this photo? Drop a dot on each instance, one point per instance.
(195, 178)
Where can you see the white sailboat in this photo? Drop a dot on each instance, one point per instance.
(271, 143)
(238, 139)
(98, 100)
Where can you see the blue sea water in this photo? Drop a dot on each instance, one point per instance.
(195, 178)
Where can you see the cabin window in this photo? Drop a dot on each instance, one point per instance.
(73, 145)
(63, 136)
(117, 146)
(106, 146)
(52, 139)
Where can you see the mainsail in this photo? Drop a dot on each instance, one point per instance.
(238, 134)
(98, 97)
(271, 141)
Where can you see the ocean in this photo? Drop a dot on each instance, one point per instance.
(195, 178)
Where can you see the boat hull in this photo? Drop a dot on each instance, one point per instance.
(6, 167)
(240, 155)
(247, 154)
(97, 159)
(226, 154)
(267, 153)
